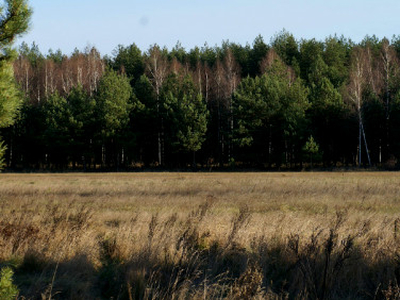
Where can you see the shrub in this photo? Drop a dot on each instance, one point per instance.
(7, 289)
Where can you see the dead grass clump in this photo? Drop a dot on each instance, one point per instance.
(320, 260)
(16, 235)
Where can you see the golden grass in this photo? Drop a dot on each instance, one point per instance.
(76, 219)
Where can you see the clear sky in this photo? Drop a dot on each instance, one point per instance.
(69, 24)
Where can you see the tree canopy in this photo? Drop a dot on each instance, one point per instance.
(263, 105)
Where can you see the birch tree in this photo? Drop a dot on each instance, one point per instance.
(358, 78)
(156, 68)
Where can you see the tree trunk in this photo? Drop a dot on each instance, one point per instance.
(359, 140)
(103, 155)
(366, 145)
(194, 165)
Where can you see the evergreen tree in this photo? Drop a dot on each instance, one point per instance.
(145, 123)
(28, 138)
(186, 115)
(113, 102)
(269, 112)
(58, 136)
(10, 96)
(336, 55)
(309, 52)
(286, 47)
(113, 106)
(311, 149)
(83, 125)
(129, 60)
(257, 53)
(14, 21)
(326, 111)
(242, 54)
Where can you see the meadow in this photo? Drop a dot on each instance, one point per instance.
(202, 235)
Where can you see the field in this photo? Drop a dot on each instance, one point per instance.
(202, 235)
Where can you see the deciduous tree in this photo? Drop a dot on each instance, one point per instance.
(156, 68)
(358, 78)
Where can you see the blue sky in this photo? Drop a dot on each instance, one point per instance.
(69, 24)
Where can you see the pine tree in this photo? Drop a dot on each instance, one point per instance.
(269, 112)
(113, 106)
(14, 21)
(186, 114)
(311, 148)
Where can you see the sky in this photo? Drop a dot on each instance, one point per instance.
(105, 24)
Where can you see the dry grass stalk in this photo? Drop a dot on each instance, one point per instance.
(202, 236)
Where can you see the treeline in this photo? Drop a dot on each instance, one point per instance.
(286, 103)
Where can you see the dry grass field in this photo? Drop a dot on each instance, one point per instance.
(202, 235)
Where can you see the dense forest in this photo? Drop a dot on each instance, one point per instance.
(287, 104)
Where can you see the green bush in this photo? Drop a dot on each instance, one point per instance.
(7, 289)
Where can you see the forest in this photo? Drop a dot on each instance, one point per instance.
(287, 104)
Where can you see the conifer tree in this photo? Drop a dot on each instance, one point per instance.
(14, 21)
(186, 115)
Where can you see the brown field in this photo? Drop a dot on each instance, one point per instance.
(202, 235)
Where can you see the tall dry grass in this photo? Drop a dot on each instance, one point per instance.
(202, 236)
